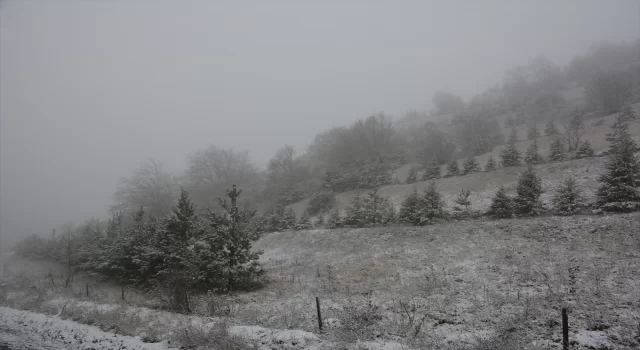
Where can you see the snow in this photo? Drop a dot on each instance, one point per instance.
(24, 329)
(593, 339)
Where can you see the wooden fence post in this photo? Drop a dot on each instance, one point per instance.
(319, 314)
(122, 292)
(565, 329)
(87, 288)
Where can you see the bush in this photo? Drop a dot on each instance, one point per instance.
(321, 202)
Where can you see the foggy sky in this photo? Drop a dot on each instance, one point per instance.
(89, 89)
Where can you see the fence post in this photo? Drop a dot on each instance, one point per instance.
(565, 329)
(87, 288)
(319, 314)
(122, 291)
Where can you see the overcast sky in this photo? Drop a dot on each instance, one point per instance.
(89, 89)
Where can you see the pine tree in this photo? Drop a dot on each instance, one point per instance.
(412, 176)
(532, 156)
(432, 171)
(289, 220)
(619, 186)
(491, 165)
(433, 205)
(470, 166)
(527, 200)
(556, 151)
(305, 222)
(452, 168)
(334, 221)
(355, 213)
(510, 154)
(550, 129)
(319, 221)
(533, 132)
(568, 198)
(230, 238)
(501, 205)
(411, 210)
(585, 150)
(463, 198)
(513, 135)
(377, 210)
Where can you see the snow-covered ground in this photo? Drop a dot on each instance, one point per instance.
(28, 330)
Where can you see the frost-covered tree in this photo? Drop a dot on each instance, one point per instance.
(319, 221)
(231, 237)
(501, 205)
(290, 219)
(532, 156)
(528, 191)
(305, 222)
(452, 168)
(619, 185)
(411, 210)
(585, 150)
(510, 154)
(335, 220)
(434, 205)
(412, 176)
(550, 129)
(470, 166)
(378, 210)
(432, 170)
(463, 199)
(491, 165)
(355, 212)
(568, 198)
(556, 151)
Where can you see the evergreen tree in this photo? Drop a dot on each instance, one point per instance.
(463, 199)
(533, 132)
(452, 168)
(289, 220)
(433, 205)
(556, 151)
(355, 212)
(334, 221)
(470, 166)
(550, 129)
(412, 176)
(432, 171)
(532, 156)
(377, 210)
(501, 205)
(568, 198)
(585, 150)
(527, 200)
(619, 186)
(411, 210)
(319, 221)
(510, 154)
(491, 165)
(231, 237)
(305, 222)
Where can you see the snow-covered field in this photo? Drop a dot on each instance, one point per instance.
(481, 284)
(34, 331)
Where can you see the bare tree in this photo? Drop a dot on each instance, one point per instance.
(149, 187)
(609, 91)
(573, 131)
(212, 170)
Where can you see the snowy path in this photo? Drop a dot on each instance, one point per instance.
(28, 330)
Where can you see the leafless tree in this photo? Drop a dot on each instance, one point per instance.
(149, 187)
(212, 170)
(573, 131)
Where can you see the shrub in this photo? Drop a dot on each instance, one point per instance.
(321, 202)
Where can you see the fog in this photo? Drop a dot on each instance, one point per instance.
(89, 89)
